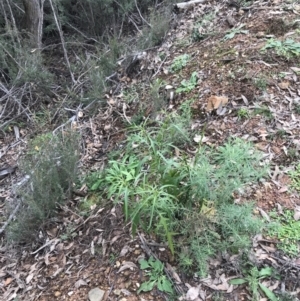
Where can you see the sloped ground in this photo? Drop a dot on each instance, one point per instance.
(262, 88)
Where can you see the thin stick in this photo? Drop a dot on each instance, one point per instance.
(14, 22)
(159, 68)
(141, 14)
(62, 41)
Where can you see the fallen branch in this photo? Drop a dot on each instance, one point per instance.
(186, 5)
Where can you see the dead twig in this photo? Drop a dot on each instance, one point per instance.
(141, 14)
(62, 41)
(186, 5)
(158, 69)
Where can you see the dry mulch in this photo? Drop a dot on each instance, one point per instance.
(99, 250)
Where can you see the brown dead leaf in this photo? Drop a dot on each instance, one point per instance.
(80, 283)
(124, 251)
(114, 239)
(261, 146)
(52, 232)
(8, 281)
(297, 261)
(297, 215)
(127, 265)
(296, 69)
(284, 85)
(173, 272)
(200, 138)
(29, 278)
(192, 293)
(214, 102)
(46, 259)
(283, 189)
(264, 214)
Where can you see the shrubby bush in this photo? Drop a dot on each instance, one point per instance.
(51, 164)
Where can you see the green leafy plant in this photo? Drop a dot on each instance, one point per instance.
(168, 194)
(154, 269)
(231, 33)
(287, 230)
(287, 48)
(188, 86)
(253, 279)
(180, 62)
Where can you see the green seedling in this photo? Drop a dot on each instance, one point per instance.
(282, 75)
(292, 153)
(154, 269)
(70, 233)
(281, 133)
(295, 177)
(243, 113)
(231, 33)
(261, 83)
(112, 258)
(265, 111)
(287, 48)
(287, 230)
(188, 85)
(297, 108)
(253, 280)
(180, 62)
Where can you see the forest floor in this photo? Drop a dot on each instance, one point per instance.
(246, 60)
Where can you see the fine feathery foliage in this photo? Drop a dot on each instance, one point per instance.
(173, 195)
(51, 164)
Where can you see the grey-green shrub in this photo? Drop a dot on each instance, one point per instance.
(51, 164)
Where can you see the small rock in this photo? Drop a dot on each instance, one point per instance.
(57, 294)
(96, 294)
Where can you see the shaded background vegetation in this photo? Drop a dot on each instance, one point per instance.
(78, 49)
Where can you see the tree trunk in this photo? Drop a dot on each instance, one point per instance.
(34, 21)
